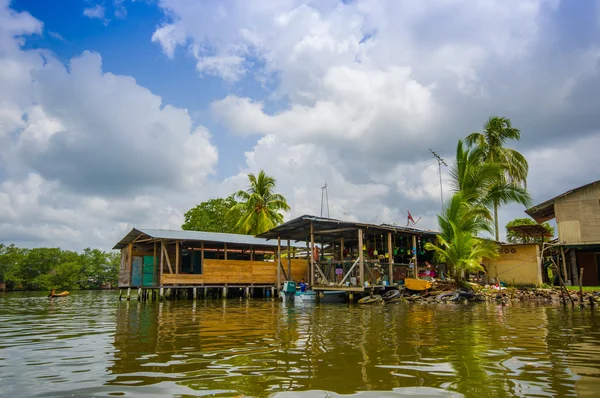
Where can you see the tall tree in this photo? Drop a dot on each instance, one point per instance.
(482, 184)
(213, 216)
(259, 206)
(516, 237)
(496, 132)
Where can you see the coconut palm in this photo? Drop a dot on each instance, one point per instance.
(482, 184)
(464, 252)
(259, 206)
(496, 131)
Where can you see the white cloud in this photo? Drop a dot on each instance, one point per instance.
(169, 37)
(354, 95)
(85, 154)
(96, 12)
(374, 84)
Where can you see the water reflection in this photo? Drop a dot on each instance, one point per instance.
(92, 345)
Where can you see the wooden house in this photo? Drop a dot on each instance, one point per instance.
(577, 214)
(152, 258)
(356, 255)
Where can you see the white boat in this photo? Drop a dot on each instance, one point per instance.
(290, 293)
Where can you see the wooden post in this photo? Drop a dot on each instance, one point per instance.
(273, 292)
(139, 296)
(177, 266)
(247, 293)
(564, 263)
(312, 254)
(414, 250)
(391, 260)
(130, 261)
(194, 293)
(154, 266)
(128, 293)
(361, 261)
(289, 254)
(202, 256)
(120, 294)
(278, 262)
(205, 293)
(581, 287)
(338, 279)
(224, 292)
(573, 261)
(161, 293)
(225, 250)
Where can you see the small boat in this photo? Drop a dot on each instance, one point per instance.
(417, 284)
(310, 296)
(61, 294)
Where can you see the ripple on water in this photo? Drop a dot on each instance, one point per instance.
(91, 344)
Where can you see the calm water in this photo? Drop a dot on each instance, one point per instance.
(90, 344)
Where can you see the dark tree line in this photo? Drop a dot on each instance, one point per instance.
(53, 268)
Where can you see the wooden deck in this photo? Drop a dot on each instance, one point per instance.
(348, 288)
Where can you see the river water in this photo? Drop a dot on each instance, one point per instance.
(90, 344)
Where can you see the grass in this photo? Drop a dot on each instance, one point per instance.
(585, 288)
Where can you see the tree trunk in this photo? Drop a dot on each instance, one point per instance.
(496, 228)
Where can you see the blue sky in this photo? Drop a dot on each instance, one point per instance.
(126, 50)
(122, 113)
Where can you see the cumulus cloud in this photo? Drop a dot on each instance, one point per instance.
(374, 84)
(95, 12)
(84, 154)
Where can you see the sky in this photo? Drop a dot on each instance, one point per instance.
(118, 113)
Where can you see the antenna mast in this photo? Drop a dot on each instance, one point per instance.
(440, 163)
(324, 197)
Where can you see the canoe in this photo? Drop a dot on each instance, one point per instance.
(61, 294)
(417, 284)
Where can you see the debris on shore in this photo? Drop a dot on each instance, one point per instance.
(446, 292)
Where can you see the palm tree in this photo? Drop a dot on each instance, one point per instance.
(259, 206)
(496, 131)
(464, 252)
(483, 184)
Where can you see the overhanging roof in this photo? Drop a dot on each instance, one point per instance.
(545, 210)
(330, 229)
(199, 236)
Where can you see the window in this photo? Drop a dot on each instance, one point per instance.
(191, 261)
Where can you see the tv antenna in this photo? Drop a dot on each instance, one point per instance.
(440, 163)
(324, 197)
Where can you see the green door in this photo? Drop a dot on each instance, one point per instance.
(149, 275)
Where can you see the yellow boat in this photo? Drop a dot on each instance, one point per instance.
(417, 284)
(62, 294)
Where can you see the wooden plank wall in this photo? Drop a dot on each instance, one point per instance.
(238, 272)
(124, 270)
(578, 216)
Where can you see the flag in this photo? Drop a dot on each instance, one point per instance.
(410, 217)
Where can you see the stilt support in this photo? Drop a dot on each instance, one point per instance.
(128, 293)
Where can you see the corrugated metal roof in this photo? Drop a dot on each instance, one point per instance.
(299, 228)
(200, 236)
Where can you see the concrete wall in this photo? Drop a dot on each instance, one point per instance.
(517, 265)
